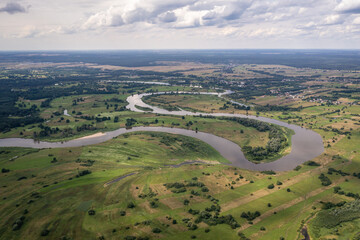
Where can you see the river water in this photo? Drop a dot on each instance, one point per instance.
(306, 144)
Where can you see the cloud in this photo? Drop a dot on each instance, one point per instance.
(181, 13)
(348, 6)
(13, 8)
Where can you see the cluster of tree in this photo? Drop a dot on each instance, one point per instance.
(250, 215)
(329, 205)
(338, 190)
(276, 108)
(83, 173)
(333, 170)
(325, 181)
(130, 122)
(18, 223)
(207, 217)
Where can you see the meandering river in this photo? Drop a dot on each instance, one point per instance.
(306, 144)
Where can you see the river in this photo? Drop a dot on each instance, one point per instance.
(306, 144)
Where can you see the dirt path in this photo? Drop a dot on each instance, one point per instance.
(264, 192)
(291, 203)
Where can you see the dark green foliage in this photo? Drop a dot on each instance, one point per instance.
(250, 215)
(312, 163)
(131, 205)
(333, 170)
(83, 173)
(18, 223)
(325, 181)
(122, 213)
(328, 205)
(348, 194)
(204, 189)
(297, 168)
(21, 178)
(279, 183)
(269, 172)
(271, 186)
(186, 202)
(44, 233)
(91, 212)
(154, 204)
(129, 238)
(156, 230)
(242, 236)
(5, 170)
(333, 217)
(130, 122)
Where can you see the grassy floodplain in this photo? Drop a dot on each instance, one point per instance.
(125, 189)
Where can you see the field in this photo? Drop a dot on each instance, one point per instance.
(149, 185)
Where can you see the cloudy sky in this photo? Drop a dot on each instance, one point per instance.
(159, 24)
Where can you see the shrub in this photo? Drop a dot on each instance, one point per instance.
(312, 163)
(268, 172)
(262, 228)
(297, 168)
(5, 170)
(122, 213)
(156, 230)
(130, 238)
(91, 212)
(325, 181)
(44, 232)
(131, 205)
(204, 189)
(271, 186)
(18, 223)
(279, 183)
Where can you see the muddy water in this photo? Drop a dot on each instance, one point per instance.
(306, 144)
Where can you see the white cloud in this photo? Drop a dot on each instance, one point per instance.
(200, 20)
(348, 6)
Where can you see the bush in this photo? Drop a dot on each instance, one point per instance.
(312, 163)
(325, 181)
(262, 228)
(297, 168)
(44, 232)
(250, 215)
(130, 238)
(156, 230)
(204, 189)
(131, 205)
(271, 186)
(268, 172)
(5, 170)
(207, 230)
(122, 213)
(18, 223)
(279, 183)
(91, 212)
